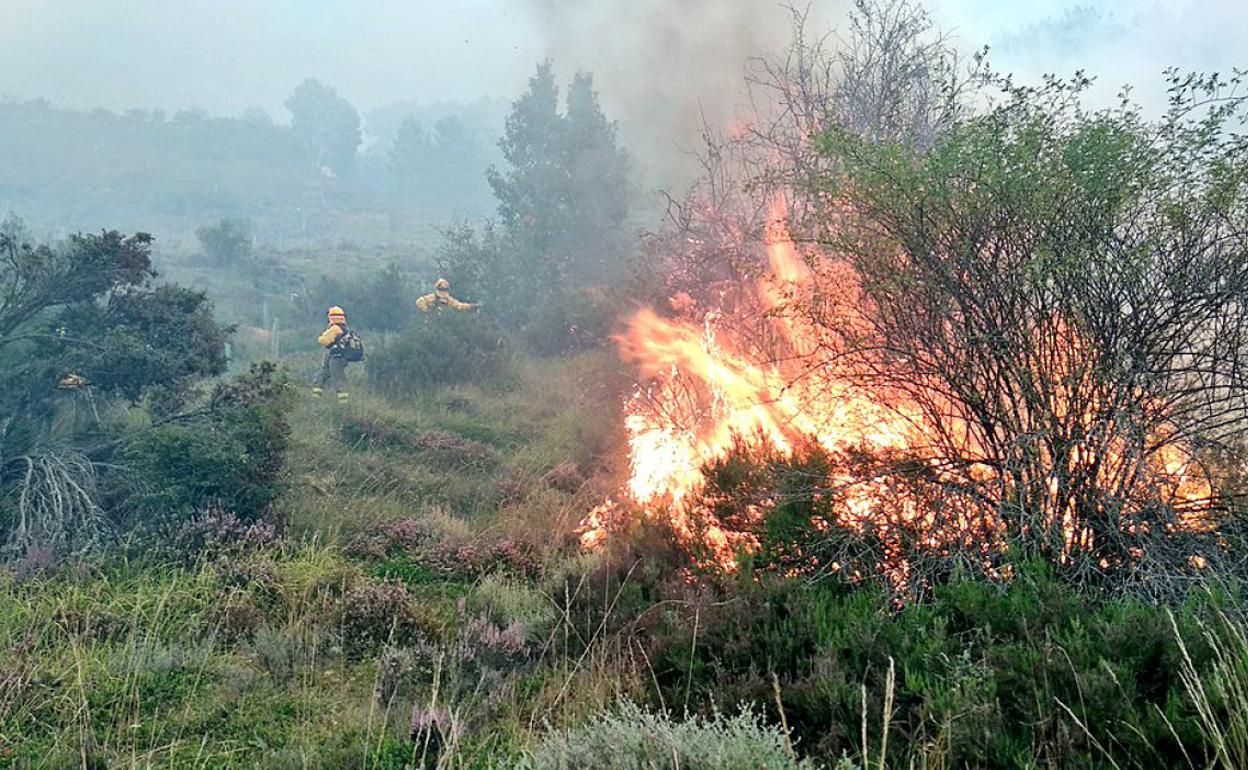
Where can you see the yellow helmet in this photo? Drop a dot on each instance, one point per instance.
(442, 284)
(336, 312)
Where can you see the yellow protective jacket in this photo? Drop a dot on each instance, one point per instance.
(330, 335)
(443, 298)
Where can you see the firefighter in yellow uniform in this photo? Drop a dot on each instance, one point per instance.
(337, 340)
(441, 297)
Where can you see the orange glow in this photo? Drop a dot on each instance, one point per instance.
(765, 376)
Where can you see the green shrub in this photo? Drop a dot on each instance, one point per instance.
(230, 457)
(440, 348)
(378, 300)
(571, 320)
(634, 738)
(999, 675)
(508, 602)
(371, 615)
(227, 242)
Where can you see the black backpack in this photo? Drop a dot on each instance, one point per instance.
(349, 346)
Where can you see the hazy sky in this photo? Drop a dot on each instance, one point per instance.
(227, 55)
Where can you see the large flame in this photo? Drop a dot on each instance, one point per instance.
(713, 383)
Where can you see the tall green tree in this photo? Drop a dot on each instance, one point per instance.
(82, 329)
(598, 174)
(564, 193)
(326, 124)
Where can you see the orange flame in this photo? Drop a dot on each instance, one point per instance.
(715, 383)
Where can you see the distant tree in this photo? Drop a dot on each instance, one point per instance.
(256, 116)
(598, 176)
(533, 192)
(563, 198)
(227, 242)
(410, 158)
(438, 171)
(326, 124)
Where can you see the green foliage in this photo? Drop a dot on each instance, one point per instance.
(563, 198)
(160, 339)
(87, 307)
(633, 738)
(82, 329)
(439, 348)
(230, 456)
(478, 264)
(997, 676)
(326, 124)
(228, 242)
(568, 321)
(376, 300)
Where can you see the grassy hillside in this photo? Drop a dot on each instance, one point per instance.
(418, 600)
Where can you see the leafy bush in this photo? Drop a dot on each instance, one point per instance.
(571, 320)
(998, 675)
(634, 738)
(231, 457)
(379, 300)
(226, 242)
(440, 348)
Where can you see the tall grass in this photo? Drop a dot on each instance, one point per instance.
(1220, 695)
(243, 661)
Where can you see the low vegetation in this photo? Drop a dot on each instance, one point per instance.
(203, 565)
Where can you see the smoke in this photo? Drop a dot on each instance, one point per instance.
(666, 68)
(1119, 42)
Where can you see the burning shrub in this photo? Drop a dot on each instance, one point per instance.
(1021, 335)
(1062, 299)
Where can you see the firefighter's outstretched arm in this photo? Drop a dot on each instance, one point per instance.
(330, 335)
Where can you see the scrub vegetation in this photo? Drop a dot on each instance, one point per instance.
(203, 566)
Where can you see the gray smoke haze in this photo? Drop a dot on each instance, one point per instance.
(227, 55)
(663, 67)
(660, 65)
(1117, 41)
